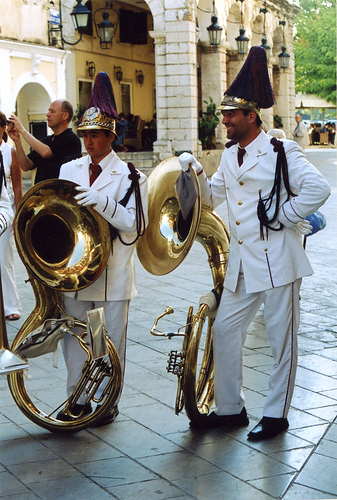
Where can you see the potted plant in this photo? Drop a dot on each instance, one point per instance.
(208, 122)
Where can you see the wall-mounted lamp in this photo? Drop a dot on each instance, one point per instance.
(106, 30)
(140, 77)
(81, 17)
(284, 56)
(91, 68)
(214, 31)
(264, 44)
(118, 73)
(242, 40)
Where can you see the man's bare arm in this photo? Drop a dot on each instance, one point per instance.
(34, 143)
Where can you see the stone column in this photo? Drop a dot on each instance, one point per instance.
(176, 84)
(214, 82)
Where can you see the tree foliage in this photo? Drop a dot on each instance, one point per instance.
(315, 49)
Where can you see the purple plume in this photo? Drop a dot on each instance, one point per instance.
(102, 96)
(252, 82)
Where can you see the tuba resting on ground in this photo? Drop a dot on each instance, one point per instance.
(64, 247)
(166, 242)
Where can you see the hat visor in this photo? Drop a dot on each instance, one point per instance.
(93, 126)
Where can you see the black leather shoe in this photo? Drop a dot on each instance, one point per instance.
(267, 428)
(213, 420)
(77, 410)
(107, 419)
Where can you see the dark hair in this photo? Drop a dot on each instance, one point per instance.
(3, 119)
(67, 108)
(258, 120)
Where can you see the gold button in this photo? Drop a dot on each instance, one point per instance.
(241, 183)
(239, 202)
(240, 242)
(237, 223)
(266, 249)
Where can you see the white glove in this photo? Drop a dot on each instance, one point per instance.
(303, 228)
(89, 196)
(186, 160)
(210, 300)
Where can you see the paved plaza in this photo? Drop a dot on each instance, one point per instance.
(149, 453)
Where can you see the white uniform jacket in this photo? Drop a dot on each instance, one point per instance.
(117, 282)
(279, 259)
(6, 212)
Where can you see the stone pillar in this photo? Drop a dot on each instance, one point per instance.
(214, 82)
(176, 84)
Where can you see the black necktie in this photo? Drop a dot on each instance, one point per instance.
(95, 171)
(241, 153)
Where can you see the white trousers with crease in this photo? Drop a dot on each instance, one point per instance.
(235, 313)
(116, 318)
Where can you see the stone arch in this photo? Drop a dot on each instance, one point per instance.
(37, 82)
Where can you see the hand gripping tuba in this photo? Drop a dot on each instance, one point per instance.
(64, 247)
(165, 244)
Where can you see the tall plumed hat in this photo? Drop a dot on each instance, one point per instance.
(251, 89)
(101, 111)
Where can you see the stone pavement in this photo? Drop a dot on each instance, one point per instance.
(150, 453)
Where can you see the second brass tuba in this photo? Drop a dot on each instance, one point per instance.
(64, 247)
(165, 244)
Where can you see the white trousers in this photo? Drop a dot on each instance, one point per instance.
(12, 303)
(116, 319)
(235, 313)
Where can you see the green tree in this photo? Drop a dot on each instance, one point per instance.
(315, 49)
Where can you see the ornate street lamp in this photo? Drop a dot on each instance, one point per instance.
(242, 40)
(284, 56)
(214, 31)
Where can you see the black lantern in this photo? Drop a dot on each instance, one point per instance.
(80, 16)
(106, 30)
(140, 77)
(264, 44)
(214, 31)
(91, 68)
(284, 56)
(118, 73)
(242, 40)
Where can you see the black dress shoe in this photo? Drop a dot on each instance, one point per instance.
(213, 420)
(107, 419)
(267, 428)
(77, 411)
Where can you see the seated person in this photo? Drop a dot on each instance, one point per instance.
(132, 125)
(121, 125)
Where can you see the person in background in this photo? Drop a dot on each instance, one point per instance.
(13, 181)
(51, 152)
(270, 187)
(118, 192)
(121, 128)
(300, 133)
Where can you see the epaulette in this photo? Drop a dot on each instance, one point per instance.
(229, 144)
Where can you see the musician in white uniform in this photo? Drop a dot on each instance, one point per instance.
(105, 181)
(266, 261)
(6, 212)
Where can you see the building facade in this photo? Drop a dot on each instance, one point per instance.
(160, 61)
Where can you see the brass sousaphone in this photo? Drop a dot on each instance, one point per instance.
(165, 244)
(64, 247)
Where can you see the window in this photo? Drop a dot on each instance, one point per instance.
(84, 92)
(133, 27)
(126, 98)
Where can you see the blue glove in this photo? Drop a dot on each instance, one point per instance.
(317, 221)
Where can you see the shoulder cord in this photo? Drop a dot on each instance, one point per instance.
(140, 218)
(2, 173)
(264, 205)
